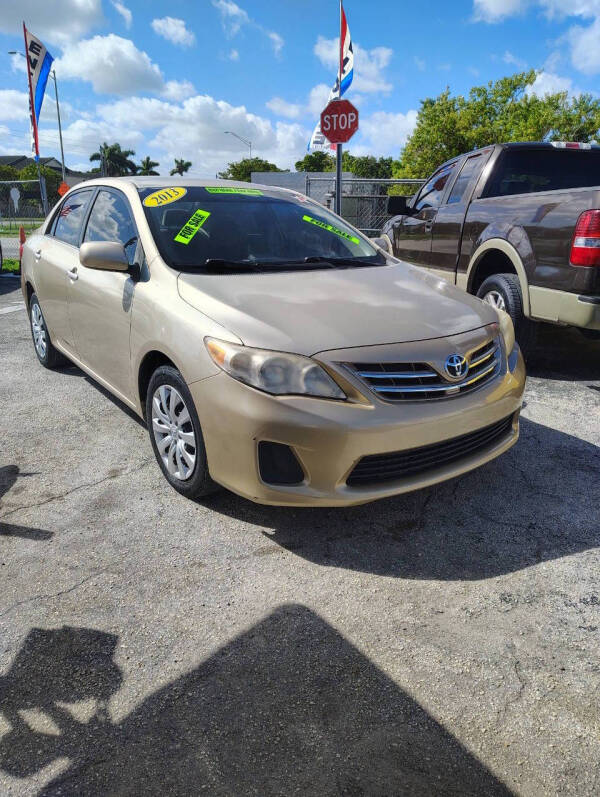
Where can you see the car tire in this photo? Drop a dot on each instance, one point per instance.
(43, 347)
(503, 291)
(176, 434)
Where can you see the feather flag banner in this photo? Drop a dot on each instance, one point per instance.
(342, 81)
(39, 62)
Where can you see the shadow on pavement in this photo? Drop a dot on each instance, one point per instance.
(287, 707)
(537, 502)
(563, 353)
(8, 477)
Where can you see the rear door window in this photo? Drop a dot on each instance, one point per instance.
(111, 220)
(525, 171)
(69, 219)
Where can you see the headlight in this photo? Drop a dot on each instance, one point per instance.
(507, 329)
(272, 371)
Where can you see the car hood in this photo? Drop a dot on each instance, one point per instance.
(311, 311)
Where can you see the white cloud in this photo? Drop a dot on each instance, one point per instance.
(512, 60)
(549, 83)
(177, 90)
(496, 10)
(419, 63)
(57, 21)
(585, 47)
(368, 64)
(18, 63)
(316, 101)
(277, 42)
(124, 12)
(280, 107)
(112, 65)
(232, 16)
(173, 30)
(233, 55)
(386, 133)
(13, 105)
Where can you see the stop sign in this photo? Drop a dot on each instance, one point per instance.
(339, 121)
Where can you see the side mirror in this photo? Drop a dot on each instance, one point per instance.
(397, 206)
(104, 255)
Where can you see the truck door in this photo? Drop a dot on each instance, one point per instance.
(412, 233)
(447, 227)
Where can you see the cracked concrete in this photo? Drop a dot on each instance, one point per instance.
(441, 642)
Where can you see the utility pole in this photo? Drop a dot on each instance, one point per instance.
(338, 147)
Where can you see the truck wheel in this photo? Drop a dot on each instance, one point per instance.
(503, 291)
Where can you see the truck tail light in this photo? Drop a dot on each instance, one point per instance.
(585, 248)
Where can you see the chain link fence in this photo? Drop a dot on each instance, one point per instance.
(364, 200)
(21, 205)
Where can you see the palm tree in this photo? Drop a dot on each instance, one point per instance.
(181, 166)
(114, 161)
(146, 167)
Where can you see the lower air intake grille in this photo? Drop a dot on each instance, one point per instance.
(399, 464)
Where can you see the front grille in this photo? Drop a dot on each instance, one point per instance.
(378, 468)
(418, 381)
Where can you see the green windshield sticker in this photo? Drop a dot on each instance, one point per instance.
(330, 228)
(224, 190)
(191, 227)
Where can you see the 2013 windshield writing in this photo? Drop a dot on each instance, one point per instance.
(246, 227)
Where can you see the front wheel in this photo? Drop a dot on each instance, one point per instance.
(503, 291)
(176, 435)
(45, 351)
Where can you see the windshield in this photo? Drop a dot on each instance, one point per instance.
(247, 227)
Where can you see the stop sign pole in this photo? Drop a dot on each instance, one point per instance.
(339, 122)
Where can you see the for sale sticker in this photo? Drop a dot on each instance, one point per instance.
(330, 228)
(191, 227)
(225, 190)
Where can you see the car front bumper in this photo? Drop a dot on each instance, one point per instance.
(330, 437)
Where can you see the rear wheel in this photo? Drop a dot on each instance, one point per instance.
(503, 291)
(176, 435)
(45, 351)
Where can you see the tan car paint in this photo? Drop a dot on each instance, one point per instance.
(393, 313)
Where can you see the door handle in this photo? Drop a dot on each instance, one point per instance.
(37, 254)
(429, 226)
(73, 274)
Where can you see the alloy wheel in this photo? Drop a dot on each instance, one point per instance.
(496, 299)
(38, 328)
(173, 432)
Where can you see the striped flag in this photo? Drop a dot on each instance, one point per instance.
(39, 62)
(345, 73)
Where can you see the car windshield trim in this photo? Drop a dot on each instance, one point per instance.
(218, 265)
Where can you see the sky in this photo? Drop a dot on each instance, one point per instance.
(168, 79)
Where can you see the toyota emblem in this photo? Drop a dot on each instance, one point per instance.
(456, 366)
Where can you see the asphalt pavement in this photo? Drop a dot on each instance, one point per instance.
(442, 642)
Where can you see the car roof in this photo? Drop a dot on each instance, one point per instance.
(178, 180)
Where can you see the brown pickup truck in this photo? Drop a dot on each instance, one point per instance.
(515, 224)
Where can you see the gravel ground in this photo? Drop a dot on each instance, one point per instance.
(446, 641)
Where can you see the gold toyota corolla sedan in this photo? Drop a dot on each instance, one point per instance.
(270, 347)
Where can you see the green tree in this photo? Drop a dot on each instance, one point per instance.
(181, 166)
(367, 166)
(242, 170)
(53, 180)
(316, 162)
(115, 161)
(9, 173)
(503, 110)
(146, 167)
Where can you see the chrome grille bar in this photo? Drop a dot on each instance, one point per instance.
(433, 388)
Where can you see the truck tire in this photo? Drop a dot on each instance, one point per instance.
(504, 292)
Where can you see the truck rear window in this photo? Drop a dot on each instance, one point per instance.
(525, 171)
